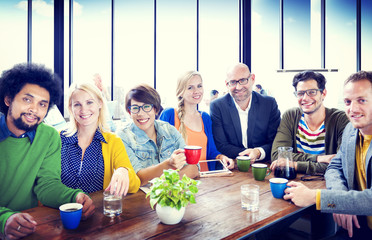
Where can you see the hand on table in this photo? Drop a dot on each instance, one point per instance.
(346, 221)
(299, 194)
(88, 206)
(227, 162)
(119, 184)
(253, 154)
(19, 225)
(177, 159)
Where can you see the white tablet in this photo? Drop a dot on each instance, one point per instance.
(216, 168)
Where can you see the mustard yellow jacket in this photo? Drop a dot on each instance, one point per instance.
(115, 156)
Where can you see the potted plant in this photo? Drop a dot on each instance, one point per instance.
(171, 195)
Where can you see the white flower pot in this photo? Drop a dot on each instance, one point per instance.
(169, 215)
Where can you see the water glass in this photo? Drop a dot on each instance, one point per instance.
(250, 197)
(112, 205)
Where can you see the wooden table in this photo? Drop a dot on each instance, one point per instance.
(217, 214)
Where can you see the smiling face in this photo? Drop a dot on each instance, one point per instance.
(240, 93)
(194, 91)
(143, 120)
(358, 105)
(310, 105)
(28, 109)
(85, 108)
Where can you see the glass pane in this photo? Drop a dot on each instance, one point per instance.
(175, 45)
(366, 35)
(340, 35)
(13, 40)
(92, 42)
(340, 46)
(265, 44)
(218, 43)
(43, 32)
(296, 17)
(133, 48)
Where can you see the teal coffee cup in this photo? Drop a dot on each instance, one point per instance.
(243, 163)
(260, 171)
(278, 185)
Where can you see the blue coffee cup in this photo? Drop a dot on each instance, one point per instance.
(71, 214)
(278, 185)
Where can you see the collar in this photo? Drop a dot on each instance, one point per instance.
(5, 132)
(141, 136)
(74, 138)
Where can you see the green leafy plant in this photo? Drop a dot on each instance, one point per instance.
(170, 190)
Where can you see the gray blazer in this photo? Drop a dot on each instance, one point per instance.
(343, 195)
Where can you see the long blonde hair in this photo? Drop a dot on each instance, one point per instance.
(94, 92)
(182, 84)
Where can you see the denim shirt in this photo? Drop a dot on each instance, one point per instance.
(144, 152)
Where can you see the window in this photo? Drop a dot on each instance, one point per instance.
(366, 32)
(92, 40)
(13, 26)
(175, 45)
(133, 48)
(265, 41)
(297, 29)
(43, 32)
(218, 44)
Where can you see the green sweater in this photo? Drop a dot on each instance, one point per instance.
(334, 123)
(31, 172)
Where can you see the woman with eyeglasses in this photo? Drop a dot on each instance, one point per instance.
(93, 158)
(152, 145)
(195, 126)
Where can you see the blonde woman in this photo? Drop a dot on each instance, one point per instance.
(93, 158)
(195, 126)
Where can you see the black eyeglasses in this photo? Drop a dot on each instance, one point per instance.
(310, 93)
(145, 107)
(242, 81)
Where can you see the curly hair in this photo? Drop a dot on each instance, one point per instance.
(309, 75)
(13, 80)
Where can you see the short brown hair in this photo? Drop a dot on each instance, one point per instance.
(143, 93)
(355, 77)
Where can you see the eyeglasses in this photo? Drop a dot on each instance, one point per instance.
(242, 81)
(145, 107)
(310, 93)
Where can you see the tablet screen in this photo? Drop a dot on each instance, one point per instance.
(214, 166)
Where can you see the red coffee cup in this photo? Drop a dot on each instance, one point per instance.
(192, 154)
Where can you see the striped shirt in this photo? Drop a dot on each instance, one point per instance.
(308, 141)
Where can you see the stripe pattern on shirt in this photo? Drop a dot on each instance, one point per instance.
(312, 142)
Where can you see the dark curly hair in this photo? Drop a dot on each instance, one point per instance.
(309, 75)
(13, 80)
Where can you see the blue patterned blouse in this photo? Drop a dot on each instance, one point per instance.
(86, 175)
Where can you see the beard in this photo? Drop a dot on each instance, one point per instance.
(242, 97)
(21, 125)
